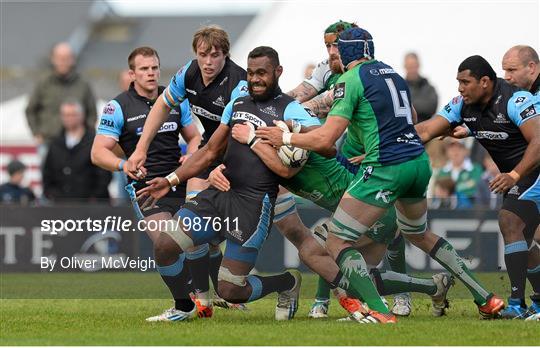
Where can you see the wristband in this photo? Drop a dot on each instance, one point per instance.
(254, 141)
(121, 165)
(514, 175)
(173, 179)
(287, 138)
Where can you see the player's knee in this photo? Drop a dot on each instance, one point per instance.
(293, 232)
(165, 250)
(511, 226)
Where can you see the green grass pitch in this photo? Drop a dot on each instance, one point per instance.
(110, 308)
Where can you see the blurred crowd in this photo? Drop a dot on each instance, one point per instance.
(61, 114)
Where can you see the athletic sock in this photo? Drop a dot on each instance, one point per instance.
(445, 254)
(176, 277)
(515, 258)
(533, 274)
(262, 286)
(198, 263)
(396, 255)
(215, 262)
(356, 279)
(323, 290)
(390, 283)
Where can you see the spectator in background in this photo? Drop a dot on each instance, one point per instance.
(13, 192)
(424, 97)
(444, 194)
(68, 173)
(61, 83)
(308, 70)
(464, 173)
(484, 198)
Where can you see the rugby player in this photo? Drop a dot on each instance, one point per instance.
(209, 82)
(505, 122)
(120, 126)
(250, 202)
(373, 101)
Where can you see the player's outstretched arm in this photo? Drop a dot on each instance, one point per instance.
(245, 134)
(318, 140)
(157, 116)
(303, 92)
(105, 154)
(321, 104)
(432, 128)
(193, 137)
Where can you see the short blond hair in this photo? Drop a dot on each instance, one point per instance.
(212, 36)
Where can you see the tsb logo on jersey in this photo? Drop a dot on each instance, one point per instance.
(491, 135)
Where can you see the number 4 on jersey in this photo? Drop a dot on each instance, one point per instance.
(400, 111)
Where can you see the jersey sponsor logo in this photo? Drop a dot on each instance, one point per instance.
(514, 190)
(191, 91)
(313, 196)
(166, 127)
(469, 119)
(456, 100)
(374, 72)
(107, 123)
(224, 80)
(408, 138)
(198, 111)
(367, 173)
(247, 116)
(339, 91)
(270, 110)
(500, 119)
(174, 112)
(135, 118)
(528, 112)
(448, 108)
(520, 100)
(219, 101)
(491, 135)
(386, 71)
(109, 109)
(244, 89)
(383, 195)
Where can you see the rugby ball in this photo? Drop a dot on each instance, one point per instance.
(293, 157)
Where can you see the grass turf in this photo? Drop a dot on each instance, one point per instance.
(109, 309)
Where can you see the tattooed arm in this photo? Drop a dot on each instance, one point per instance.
(321, 104)
(303, 92)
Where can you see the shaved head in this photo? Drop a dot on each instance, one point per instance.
(521, 66)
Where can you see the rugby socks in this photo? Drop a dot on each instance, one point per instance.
(357, 281)
(445, 254)
(533, 274)
(176, 277)
(262, 286)
(215, 262)
(389, 283)
(198, 263)
(515, 258)
(323, 290)
(396, 255)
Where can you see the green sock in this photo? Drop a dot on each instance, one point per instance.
(323, 290)
(389, 283)
(396, 255)
(445, 254)
(357, 281)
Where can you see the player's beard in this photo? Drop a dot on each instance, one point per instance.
(335, 64)
(268, 93)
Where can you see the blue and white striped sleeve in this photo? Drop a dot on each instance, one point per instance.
(452, 111)
(175, 92)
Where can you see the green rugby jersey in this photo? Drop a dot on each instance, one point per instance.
(375, 100)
